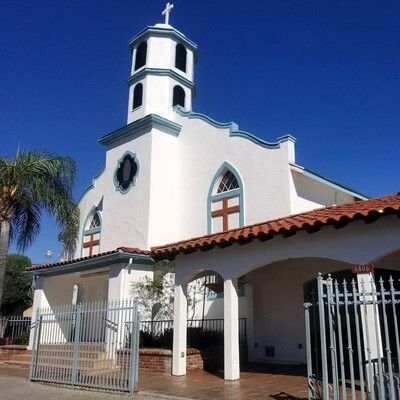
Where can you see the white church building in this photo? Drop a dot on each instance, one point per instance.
(220, 202)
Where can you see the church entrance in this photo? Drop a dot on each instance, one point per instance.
(93, 290)
(102, 351)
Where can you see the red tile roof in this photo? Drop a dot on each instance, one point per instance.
(310, 221)
(131, 250)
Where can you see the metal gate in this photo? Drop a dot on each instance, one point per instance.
(90, 345)
(352, 338)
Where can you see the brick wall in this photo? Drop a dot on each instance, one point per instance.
(160, 360)
(8, 351)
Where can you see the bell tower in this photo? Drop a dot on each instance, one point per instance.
(162, 74)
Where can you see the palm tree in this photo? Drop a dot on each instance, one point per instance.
(30, 184)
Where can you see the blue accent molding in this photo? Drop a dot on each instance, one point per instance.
(140, 74)
(94, 210)
(119, 163)
(168, 32)
(97, 262)
(334, 185)
(213, 197)
(140, 126)
(234, 129)
(91, 186)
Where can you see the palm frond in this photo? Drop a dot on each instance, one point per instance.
(36, 182)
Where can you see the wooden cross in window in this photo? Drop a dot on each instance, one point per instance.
(91, 243)
(224, 212)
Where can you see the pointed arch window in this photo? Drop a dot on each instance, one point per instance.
(141, 55)
(225, 200)
(178, 98)
(91, 234)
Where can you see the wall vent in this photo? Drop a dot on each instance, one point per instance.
(269, 351)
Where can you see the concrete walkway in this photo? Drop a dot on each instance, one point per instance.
(258, 382)
(18, 388)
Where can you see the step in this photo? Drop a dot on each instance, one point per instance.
(69, 354)
(12, 363)
(22, 357)
(67, 362)
(50, 369)
(70, 346)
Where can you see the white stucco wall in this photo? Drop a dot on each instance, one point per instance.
(308, 194)
(278, 299)
(356, 243)
(125, 217)
(122, 276)
(169, 201)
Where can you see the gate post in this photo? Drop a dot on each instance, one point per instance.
(324, 360)
(35, 344)
(134, 361)
(75, 356)
(308, 347)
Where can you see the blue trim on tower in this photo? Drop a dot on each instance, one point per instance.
(163, 32)
(234, 129)
(140, 74)
(142, 125)
(219, 196)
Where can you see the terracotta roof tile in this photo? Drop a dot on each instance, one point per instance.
(132, 250)
(310, 221)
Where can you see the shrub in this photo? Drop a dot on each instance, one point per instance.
(22, 338)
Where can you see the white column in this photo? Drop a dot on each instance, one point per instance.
(39, 300)
(248, 293)
(370, 317)
(180, 330)
(231, 331)
(117, 318)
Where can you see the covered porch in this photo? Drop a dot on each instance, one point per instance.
(277, 261)
(99, 278)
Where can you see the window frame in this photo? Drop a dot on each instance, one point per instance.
(213, 196)
(144, 44)
(90, 231)
(173, 96)
(139, 84)
(118, 187)
(184, 51)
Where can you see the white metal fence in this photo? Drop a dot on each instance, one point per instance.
(352, 337)
(90, 345)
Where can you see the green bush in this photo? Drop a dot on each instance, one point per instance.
(22, 338)
(196, 337)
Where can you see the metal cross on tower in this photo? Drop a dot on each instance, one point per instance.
(167, 10)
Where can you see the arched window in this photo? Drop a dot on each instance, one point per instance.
(225, 200)
(180, 57)
(141, 54)
(91, 234)
(137, 96)
(178, 98)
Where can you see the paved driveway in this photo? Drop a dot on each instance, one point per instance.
(18, 388)
(258, 382)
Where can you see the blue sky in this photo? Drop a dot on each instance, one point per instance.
(326, 72)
